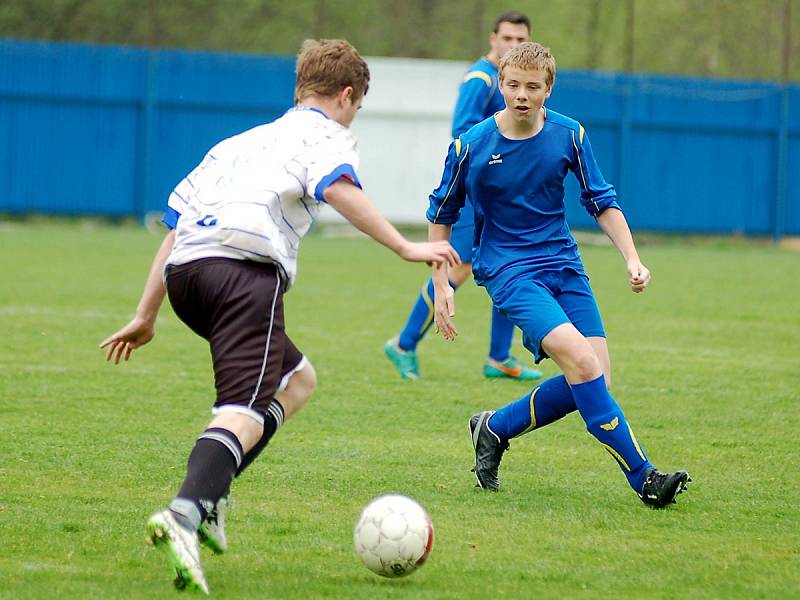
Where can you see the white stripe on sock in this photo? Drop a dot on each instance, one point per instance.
(225, 441)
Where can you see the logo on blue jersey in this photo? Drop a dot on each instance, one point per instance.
(495, 159)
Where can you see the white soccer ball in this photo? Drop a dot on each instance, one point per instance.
(393, 536)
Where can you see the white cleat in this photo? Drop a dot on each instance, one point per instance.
(182, 550)
(212, 529)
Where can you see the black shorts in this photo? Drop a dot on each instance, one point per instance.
(237, 305)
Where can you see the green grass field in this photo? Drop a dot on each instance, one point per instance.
(706, 365)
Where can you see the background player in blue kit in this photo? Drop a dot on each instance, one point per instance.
(512, 167)
(478, 97)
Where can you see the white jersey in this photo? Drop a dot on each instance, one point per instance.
(255, 194)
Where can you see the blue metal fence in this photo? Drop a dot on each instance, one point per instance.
(109, 131)
(692, 155)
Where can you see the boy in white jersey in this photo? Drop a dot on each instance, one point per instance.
(235, 225)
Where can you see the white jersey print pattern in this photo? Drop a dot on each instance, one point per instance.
(255, 195)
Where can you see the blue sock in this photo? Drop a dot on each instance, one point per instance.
(547, 402)
(605, 421)
(501, 335)
(420, 319)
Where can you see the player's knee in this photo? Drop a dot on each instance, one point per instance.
(307, 380)
(244, 427)
(460, 273)
(298, 390)
(586, 365)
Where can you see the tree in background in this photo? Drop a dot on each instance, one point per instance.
(713, 38)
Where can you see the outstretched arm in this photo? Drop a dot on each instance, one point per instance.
(355, 206)
(141, 329)
(444, 306)
(615, 226)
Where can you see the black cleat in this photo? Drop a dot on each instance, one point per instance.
(660, 489)
(488, 450)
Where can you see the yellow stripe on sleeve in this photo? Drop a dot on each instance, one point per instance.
(583, 178)
(581, 133)
(458, 146)
(487, 79)
(452, 184)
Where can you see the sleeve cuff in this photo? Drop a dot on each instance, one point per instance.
(441, 219)
(343, 170)
(171, 217)
(598, 208)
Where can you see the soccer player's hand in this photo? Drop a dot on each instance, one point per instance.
(136, 333)
(430, 252)
(444, 309)
(639, 276)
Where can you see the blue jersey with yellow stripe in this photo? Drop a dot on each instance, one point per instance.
(478, 97)
(516, 188)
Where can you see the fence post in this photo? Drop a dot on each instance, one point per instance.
(625, 138)
(782, 164)
(781, 184)
(148, 134)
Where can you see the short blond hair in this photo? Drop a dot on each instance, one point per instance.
(530, 56)
(326, 67)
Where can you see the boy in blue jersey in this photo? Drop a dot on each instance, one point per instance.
(512, 167)
(478, 97)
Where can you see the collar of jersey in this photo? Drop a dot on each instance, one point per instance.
(497, 129)
(298, 108)
(488, 63)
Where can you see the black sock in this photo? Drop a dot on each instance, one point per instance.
(273, 419)
(212, 465)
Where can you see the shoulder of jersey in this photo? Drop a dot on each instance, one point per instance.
(567, 122)
(481, 71)
(325, 127)
(474, 134)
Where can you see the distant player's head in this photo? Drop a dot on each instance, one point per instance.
(332, 70)
(526, 75)
(510, 29)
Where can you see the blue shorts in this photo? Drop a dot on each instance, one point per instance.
(462, 234)
(540, 302)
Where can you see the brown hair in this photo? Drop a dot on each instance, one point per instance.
(513, 17)
(530, 55)
(326, 67)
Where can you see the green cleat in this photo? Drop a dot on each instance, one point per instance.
(405, 361)
(510, 368)
(180, 546)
